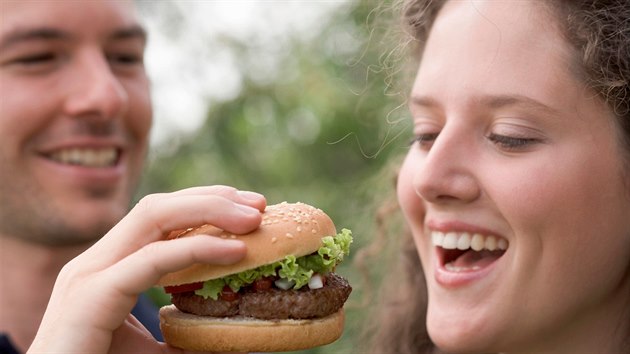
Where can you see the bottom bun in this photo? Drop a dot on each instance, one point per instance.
(243, 334)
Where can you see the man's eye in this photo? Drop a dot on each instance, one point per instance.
(35, 63)
(125, 59)
(35, 59)
(424, 140)
(510, 143)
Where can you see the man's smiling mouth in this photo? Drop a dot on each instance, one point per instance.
(86, 157)
(465, 252)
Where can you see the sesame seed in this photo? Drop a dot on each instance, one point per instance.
(274, 239)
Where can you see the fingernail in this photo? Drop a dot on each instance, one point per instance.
(250, 195)
(247, 210)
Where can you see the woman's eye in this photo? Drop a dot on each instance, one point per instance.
(512, 143)
(424, 140)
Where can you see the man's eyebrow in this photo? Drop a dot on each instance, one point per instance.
(46, 33)
(25, 35)
(130, 32)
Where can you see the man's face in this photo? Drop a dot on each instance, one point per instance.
(75, 114)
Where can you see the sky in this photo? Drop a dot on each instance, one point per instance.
(191, 65)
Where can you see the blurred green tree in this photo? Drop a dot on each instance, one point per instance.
(322, 132)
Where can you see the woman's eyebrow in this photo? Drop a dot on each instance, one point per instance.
(422, 102)
(501, 101)
(492, 101)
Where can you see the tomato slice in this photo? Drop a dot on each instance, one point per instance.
(174, 289)
(227, 294)
(263, 284)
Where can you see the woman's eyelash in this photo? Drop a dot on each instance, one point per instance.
(424, 138)
(512, 143)
(503, 141)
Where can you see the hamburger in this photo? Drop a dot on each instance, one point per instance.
(283, 296)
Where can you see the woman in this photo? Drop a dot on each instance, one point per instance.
(516, 188)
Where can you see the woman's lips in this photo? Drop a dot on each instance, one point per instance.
(464, 257)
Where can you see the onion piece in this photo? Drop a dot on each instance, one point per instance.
(316, 282)
(284, 284)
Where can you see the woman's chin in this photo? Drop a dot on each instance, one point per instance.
(455, 334)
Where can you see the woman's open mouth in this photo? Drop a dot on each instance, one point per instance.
(464, 252)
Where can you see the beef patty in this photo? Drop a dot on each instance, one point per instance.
(272, 303)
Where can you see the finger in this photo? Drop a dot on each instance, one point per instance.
(156, 215)
(248, 198)
(132, 337)
(142, 269)
(133, 321)
(253, 199)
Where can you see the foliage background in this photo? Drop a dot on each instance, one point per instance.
(327, 132)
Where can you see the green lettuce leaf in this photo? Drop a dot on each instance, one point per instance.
(290, 269)
(211, 289)
(300, 270)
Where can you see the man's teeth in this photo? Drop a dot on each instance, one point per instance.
(88, 157)
(465, 240)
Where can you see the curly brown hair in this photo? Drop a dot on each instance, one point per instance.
(599, 34)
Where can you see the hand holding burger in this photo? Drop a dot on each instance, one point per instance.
(89, 310)
(284, 295)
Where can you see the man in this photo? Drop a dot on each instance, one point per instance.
(75, 115)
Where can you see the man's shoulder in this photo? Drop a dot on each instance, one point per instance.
(147, 313)
(6, 347)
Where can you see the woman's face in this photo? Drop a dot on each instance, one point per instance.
(515, 189)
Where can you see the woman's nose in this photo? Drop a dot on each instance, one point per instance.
(94, 89)
(447, 172)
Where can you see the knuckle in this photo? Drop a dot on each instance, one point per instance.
(147, 204)
(225, 191)
(150, 249)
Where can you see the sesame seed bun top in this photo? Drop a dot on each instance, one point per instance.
(286, 229)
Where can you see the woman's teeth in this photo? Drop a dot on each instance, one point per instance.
(465, 241)
(466, 252)
(88, 157)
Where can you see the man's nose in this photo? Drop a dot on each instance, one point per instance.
(94, 89)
